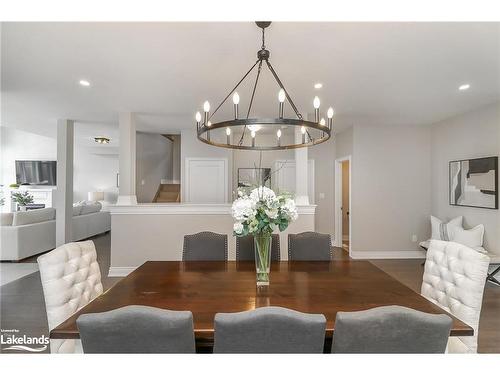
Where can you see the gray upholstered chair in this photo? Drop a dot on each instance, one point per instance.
(205, 246)
(309, 246)
(269, 330)
(245, 248)
(137, 329)
(390, 329)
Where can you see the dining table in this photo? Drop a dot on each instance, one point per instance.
(208, 287)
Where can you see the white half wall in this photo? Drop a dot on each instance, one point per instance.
(471, 135)
(158, 231)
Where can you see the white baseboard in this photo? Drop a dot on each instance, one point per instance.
(402, 254)
(120, 271)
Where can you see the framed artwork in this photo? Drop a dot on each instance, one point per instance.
(248, 177)
(474, 182)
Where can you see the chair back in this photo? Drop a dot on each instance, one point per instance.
(454, 279)
(390, 329)
(245, 249)
(205, 246)
(269, 330)
(137, 329)
(70, 278)
(309, 246)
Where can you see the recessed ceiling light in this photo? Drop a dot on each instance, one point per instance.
(84, 82)
(464, 87)
(102, 140)
(318, 85)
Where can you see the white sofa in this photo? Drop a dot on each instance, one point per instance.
(24, 234)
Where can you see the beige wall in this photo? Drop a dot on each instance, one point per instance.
(251, 159)
(153, 163)
(324, 174)
(391, 188)
(471, 135)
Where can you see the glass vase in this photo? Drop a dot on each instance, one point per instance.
(262, 244)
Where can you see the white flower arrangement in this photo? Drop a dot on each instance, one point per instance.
(261, 211)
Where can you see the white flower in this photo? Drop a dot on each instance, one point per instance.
(290, 209)
(262, 193)
(238, 228)
(243, 208)
(265, 195)
(272, 214)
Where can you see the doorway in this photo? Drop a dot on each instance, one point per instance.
(343, 228)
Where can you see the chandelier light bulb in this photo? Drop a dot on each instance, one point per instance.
(278, 133)
(252, 133)
(316, 102)
(330, 112)
(303, 129)
(198, 116)
(209, 124)
(206, 106)
(236, 98)
(228, 131)
(322, 122)
(282, 96)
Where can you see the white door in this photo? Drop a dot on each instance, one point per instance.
(285, 177)
(206, 180)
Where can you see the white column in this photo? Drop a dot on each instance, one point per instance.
(301, 172)
(127, 159)
(64, 194)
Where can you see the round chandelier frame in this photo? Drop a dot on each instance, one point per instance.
(205, 127)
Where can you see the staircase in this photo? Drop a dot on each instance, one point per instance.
(168, 193)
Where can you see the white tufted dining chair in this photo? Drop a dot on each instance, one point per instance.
(454, 279)
(70, 279)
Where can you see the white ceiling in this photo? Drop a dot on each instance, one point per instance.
(373, 73)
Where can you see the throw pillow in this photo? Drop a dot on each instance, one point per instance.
(472, 238)
(445, 231)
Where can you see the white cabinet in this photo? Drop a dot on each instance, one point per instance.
(206, 180)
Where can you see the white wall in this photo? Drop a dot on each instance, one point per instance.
(391, 189)
(471, 135)
(93, 170)
(154, 158)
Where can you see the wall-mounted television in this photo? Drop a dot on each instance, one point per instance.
(36, 172)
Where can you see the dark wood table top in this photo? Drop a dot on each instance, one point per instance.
(206, 288)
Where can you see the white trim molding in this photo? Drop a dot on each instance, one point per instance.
(384, 254)
(186, 209)
(120, 271)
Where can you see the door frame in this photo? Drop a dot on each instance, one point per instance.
(338, 202)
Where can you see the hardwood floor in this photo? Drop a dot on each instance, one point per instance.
(22, 306)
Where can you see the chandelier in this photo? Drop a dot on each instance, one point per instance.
(244, 129)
